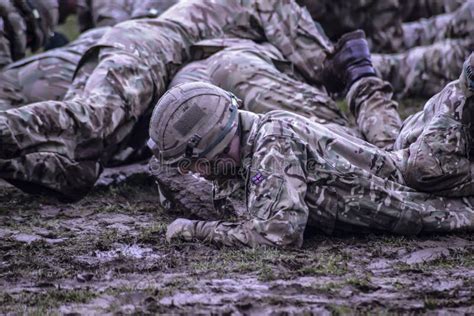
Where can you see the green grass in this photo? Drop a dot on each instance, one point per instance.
(70, 28)
(328, 264)
(49, 299)
(270, 264)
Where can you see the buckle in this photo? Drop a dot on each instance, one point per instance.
(192, 143)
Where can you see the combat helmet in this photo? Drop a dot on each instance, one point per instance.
(192, 120)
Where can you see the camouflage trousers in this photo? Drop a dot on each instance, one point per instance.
(383, 21)
(435, 51)
(453, 20)
(420, 57)
(433, 148)
(423, 71)
(264, 81)
(44, 76)
(458, 24)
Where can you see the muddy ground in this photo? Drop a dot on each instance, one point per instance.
(107, 254)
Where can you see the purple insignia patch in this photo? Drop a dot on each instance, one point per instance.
(256, 179)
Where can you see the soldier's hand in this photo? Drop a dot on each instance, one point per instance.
(180, 228)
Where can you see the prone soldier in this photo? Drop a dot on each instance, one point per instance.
(436, 49)
(259, 75)
(418, 57)
(298, 173)
(384, 22)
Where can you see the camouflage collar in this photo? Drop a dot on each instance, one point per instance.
(249, 127)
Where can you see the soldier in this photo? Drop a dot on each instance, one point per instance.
(25, 24)
(420, 57)
(442, 43)
(48, 75)
(300, 173)
(383, 21)
(60, 146)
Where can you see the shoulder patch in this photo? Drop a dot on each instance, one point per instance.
(257, 178)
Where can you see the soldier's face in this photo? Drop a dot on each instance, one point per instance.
(224, 165)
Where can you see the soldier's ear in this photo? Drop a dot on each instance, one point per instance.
(240, 103)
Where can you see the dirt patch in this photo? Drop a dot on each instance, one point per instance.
(107, 254)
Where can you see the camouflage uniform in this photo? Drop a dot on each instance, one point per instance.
(446, 38)
(62, 146)
(424, 70)
(47, 76)
(25, 24)
(299, 173)
(259, 75)
(382, 21)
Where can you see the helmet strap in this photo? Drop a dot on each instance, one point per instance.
(470, 77)
(192, 143)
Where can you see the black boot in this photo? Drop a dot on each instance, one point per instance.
(350, 62)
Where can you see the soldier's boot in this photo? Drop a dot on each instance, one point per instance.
(369, 98)
(350, 62)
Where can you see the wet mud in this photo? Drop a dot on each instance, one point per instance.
(107, 255)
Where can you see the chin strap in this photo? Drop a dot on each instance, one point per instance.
(470, 77)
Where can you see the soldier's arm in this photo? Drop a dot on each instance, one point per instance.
(276, 192)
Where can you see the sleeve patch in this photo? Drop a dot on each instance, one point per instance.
(257, 178)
